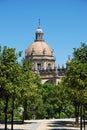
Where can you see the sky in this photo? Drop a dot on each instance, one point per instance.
(64, 23)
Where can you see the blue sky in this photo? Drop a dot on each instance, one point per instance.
(64, 23)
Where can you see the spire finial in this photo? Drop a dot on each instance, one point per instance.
(39, 22)
(39, 32)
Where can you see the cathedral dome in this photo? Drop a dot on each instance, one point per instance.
(39, 48)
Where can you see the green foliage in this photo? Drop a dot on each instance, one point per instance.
(75, 79)
(10, 77)
(76, 75)
(28, 98)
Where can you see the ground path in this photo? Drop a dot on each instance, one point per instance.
(46, 124)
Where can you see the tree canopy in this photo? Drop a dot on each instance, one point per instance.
(22, 96)
(75, 79)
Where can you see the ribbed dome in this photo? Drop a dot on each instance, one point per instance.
(39, 48)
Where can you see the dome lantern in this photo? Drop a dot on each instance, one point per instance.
(39, 47)
(39, 33)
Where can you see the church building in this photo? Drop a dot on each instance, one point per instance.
(42, 57)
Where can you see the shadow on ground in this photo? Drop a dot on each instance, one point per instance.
(57, 124)
(16, 123)
(10, 129)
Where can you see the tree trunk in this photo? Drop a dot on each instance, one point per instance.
(77, 114)
(84, 116)
(12, 119)
(25, 110)
(60, 108)
(81, 117)
(6, 108)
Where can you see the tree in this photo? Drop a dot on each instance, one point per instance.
(30, 89)
(9, 77)
(75, 79)
(54, 100)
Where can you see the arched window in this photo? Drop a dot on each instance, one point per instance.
(39, 66)
(49, 66)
